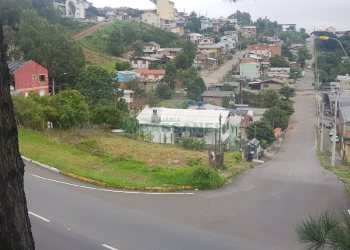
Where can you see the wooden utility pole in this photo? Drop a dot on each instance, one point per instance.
(15, 229)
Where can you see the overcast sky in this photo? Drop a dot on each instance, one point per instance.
(305, 13)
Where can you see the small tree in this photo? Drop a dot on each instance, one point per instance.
(163, 91)
(115, 44)
(107, 116)
(277, 118)
(261, 131)
(72, 108)
(122, 66)
(287, 92)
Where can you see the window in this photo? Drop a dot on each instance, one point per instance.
(34, 78)
(42, 78)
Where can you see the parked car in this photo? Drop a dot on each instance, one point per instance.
(329, 125)
(331, 132)
(336, 138)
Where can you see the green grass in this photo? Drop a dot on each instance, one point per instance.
(114, 170)
(342, 170)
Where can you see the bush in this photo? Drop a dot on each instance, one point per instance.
(28, 113)
(193, 162)
(205, 178)
(193, 143)
(107, 116)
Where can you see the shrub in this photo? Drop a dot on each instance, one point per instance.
(28, 113)
(193, 143)
(193, 162)
(205, 178)
(107, 116)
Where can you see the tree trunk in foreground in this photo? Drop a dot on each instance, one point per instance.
(15, 229)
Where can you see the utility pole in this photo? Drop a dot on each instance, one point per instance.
(335, 129)
(220, 134)
(53, 85)
(321, 143)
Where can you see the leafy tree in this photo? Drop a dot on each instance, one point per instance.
(325, 232)
(47, 44)
(286, 106)
(194, 92)
(97, 83)
(279, 62)
(122, 66)
(194, 23)
(261, 131)
(170, 74)
(72, 108)
(10, 11)
(269, 98)
(107, 116)
(287, 92)
(15, 226)
(115, 44)
(266, 27)
(163, 91)
(277, 118)
(13, 52)
(130, 125)
(243, 18)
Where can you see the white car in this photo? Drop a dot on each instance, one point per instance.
(336, 138)
(331, 132)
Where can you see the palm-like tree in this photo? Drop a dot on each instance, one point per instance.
(326, 231)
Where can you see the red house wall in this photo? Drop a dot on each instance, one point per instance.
(27, 79)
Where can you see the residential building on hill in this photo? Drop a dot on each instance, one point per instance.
(145, 62)
(72, 8)
(151, 17)
(29, 76)
(217, 97)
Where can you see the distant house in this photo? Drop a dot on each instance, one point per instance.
(288, 27)
(169, 52)
(248, 32)
(126, 76)
(249, 70)
(229, 41)
(195, 37)
(169, 126)
(271, 84)
(206, 24)
(29, 76)
(145, 62)
(214, 50)
(151, 17)
(72, 8)
(216, 97)
(207, 41)
(219, 86)
(344, 81)
(344, 132)
(150, 47)
(128, 96)
(148, 79)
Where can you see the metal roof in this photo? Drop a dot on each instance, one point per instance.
(211, 93)
(182, 117)
(14, 65)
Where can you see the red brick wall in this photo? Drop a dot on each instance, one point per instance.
(31, 77)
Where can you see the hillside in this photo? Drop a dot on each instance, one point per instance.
(133, 35)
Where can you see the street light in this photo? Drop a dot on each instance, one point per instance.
(53, 82)
(326, 38)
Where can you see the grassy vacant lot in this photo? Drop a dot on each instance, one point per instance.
(342, 170)
(125, 163)
(104, 61)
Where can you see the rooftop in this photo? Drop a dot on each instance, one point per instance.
(150, 71)
(182, 117)
(14, 65)
(217, 93)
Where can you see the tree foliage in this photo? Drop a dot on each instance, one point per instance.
(287, 92)
(278, 62)
(115, 44)
(194, 23)
(163, 91)
(97, 83)
(276, 118)
(243, 18)
(47, 45)
(28, 113)
(10, 11)
(262, 131)
(108, 116)
(72, 108)
(122, 66)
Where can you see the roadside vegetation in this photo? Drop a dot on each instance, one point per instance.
(341, 170)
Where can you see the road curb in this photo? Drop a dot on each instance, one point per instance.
(52, 169)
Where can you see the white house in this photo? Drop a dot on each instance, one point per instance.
(72, 8)
(195, 37)
(169, 125)
(145, 62)
(150, 47)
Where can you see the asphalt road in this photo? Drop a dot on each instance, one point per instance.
(259, 209)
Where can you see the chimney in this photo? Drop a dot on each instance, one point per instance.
(155, 118)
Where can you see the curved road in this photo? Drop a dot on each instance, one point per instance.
(257, 210)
